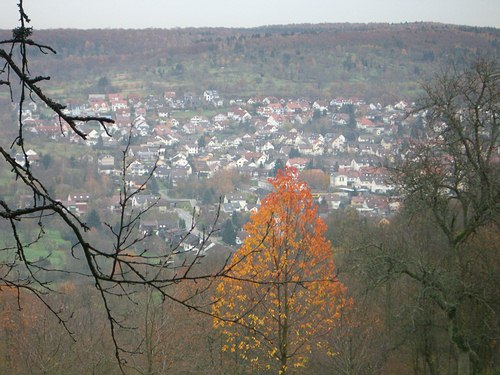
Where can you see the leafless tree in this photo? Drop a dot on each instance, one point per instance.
(117, 269)
(451, 173)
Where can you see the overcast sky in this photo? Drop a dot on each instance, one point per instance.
(87, 14)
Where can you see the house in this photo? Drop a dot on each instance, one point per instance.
(293, 107)
(264, 111)
(115, 97)
(333, 201)
(229, 208)
(254, 100)
(112, 203)
(189, 128)
(256, 157)
(147, 155)
(367, 149)
(31, 155)
(144, 201)
(340, 119)
(242, 161)
(276, 120)
(238, 200)
(201, 168)
(30, 122)
(353, 178)
(299, 163)
(169, 140)
(211, 95)
(340, 102)
(352, 147)
(134, 99)
(339, 143)
(219, 118)
(161, 171)
(378, 204)
(135, 182)
(163, 113)
(366, 138)
(106, 160)
(140, 111)
(122, 117)
(345, 177)
(360, 204)
(380, 185)
(148, 227)
(92, 137)
(297, 106)
(301, 118)
(198, 120)
(141, 126)
(98, 103)
(77, 203)
(386, 143)
(169, 96)
(266, 147)
(276, 108)
(270, 99)
(306, 149)
(190, 148)
(321, 106)
(183, 241)
(191, 242)
(213, 144)
(172, 123)
(178, 174)
(240, 115)
(338, 179)
(106, 165)
(136, 168)
(119, 105)
(365, 123)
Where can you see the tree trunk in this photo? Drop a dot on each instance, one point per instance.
(463, 365)
(461, 346)
(429, 363)
(283, 368)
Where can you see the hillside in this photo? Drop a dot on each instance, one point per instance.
(371, 61)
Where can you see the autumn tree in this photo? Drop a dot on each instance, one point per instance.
(281, 296)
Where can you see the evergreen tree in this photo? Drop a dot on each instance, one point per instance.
(228, 233)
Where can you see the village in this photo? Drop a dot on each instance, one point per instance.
(342, 146)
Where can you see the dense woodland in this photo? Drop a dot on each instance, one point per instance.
(414, 293)
(377, 62)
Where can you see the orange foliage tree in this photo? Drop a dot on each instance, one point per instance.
(281, 297)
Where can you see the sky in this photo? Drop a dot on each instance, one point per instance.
(140, 14)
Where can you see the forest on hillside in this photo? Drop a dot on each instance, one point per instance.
(376, 62)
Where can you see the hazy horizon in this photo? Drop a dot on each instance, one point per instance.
(129, 14)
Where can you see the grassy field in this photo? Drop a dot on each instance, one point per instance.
(51, 246)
